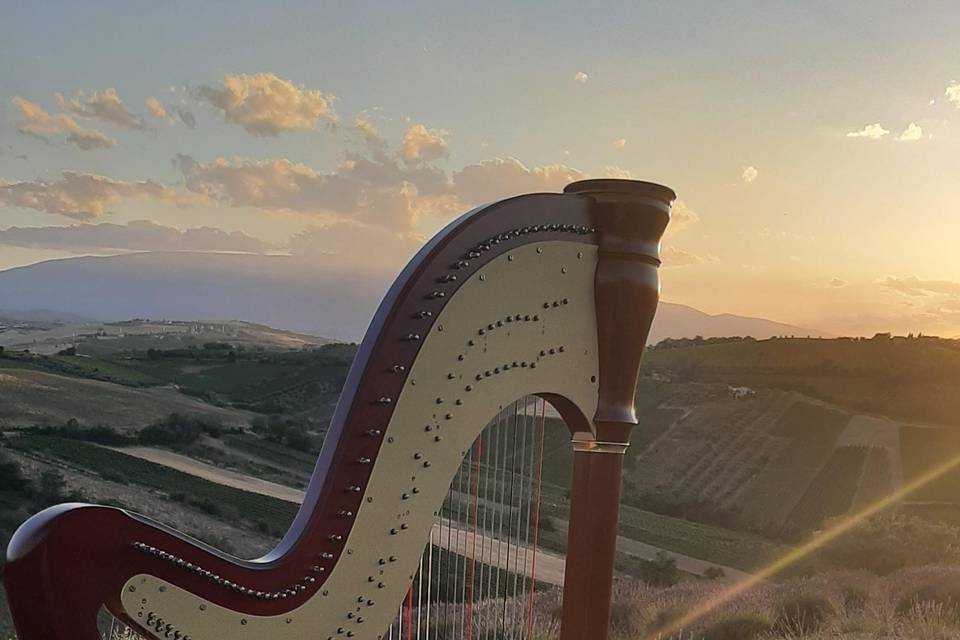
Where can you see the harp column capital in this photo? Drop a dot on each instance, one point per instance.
(630, 218)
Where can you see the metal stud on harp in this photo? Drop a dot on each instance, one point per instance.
(422, 514)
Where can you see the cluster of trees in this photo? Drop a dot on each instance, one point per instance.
(698, 341)
(286, 431)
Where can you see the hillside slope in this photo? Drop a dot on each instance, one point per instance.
(313, 295)
(29, 398)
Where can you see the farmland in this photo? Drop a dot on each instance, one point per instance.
(906, 378)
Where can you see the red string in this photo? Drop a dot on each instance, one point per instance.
(410, 611)
(473, 552)
(536, 522)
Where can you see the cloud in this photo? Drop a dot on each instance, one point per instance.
(749, 174)
(502, 177)
(953, 93)
(838, 283)
(913, 286)
(156, 109)
(613, 171)
(911, 133)
(105, 106)
(421, 144)
(371, 134)
(266, 105)
(185, 116)
(673, 257)
(37, 122)
(82, 195)
(139, 235)
(371, 190)
(619, 143)
(681, 217)
(872, 132)
(581, 77)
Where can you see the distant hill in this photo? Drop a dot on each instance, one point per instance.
(313, 295)
(681, 321)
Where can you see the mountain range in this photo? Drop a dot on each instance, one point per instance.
(309, 294)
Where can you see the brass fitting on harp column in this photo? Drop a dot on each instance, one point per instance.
(595, 446)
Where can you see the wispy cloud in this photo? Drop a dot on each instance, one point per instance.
(873, 131)
(156, 109)
(674, 257)
(838, 283)
(37, 122)
(266, 105)
(105, 106)
(82, 195)
(581, 77)
(913, 286)
(619, 143)
(139, 235)
(749, 174)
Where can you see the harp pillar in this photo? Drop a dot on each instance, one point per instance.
(630, 218)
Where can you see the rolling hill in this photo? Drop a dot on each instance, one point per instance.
(313, 295)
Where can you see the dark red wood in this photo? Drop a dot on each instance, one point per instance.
(630, 218)
(591, 542)
(66, 562)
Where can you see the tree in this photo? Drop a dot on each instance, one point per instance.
(50, 486)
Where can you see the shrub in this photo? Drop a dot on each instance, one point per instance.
(714, 573)
(885, 544)
(660, 572)
(740, 626)
(805, 612)
(943, 591)
(855, 597)
(10, 476)
(51, 486)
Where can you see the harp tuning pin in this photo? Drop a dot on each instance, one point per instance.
(363, 460)
(385, 400)
(435, 294)
(398, 368)
(354, 488)
(335, 537)
(374, 433)
(412, 337)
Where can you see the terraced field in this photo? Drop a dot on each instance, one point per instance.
(809, 432)
(925, 448)
(832, 492)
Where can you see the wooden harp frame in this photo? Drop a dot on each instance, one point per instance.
(541, 294)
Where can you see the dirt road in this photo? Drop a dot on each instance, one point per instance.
(489, 550)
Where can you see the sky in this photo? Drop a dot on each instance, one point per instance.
(815, 147)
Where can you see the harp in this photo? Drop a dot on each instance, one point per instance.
(543, 295)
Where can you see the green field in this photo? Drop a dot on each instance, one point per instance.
(924, 449)
(832, 492)
(910, 378)
(217, 499)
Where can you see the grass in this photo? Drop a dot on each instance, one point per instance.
(277, 454)
(94, 368)
(218, 499)
(832, 492)
(924, 448)
(811, 431)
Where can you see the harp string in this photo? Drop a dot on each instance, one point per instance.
(536, 517)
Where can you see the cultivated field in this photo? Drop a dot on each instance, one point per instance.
(30, 398)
